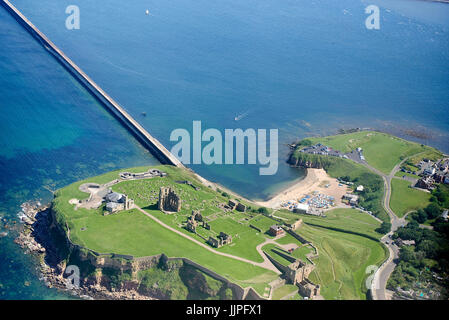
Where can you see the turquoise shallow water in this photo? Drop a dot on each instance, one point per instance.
(305, 68)
(52, 133)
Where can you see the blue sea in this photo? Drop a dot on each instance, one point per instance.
(302, 67)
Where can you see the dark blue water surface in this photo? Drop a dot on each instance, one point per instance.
(303, 67)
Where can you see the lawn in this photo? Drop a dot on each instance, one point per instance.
(381, 150)
(346, 219)
(342, 262)
(283, 291)
(411, 175)
(432, 154)
(287, 239)
(262, 222)
(133, 233)
(302, 252)
(268, 248)
(245, 239)
(405, 199)
(244, 245)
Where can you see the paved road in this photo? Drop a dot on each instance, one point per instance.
(381, 277)
(379, 283)
(266, 264)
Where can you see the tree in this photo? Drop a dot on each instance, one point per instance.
(430, 248)
(433, 211)
(263, 210)
(384, 228)
(422, 216)
(407, 254)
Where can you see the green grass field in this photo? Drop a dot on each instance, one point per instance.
(133, 233)
(283, 291)
(411, 175)
(346, 219)
(262, 222)
(270, 250)
(405, 199)
(342, 262)
(302, 252)
(432, 154)
(381, 150)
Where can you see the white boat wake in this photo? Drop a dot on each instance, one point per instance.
(241, 116)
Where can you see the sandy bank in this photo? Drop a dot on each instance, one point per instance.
(315, 180)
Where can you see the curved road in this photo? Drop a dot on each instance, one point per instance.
(379, 283)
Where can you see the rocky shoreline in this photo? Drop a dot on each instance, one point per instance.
(35, 238)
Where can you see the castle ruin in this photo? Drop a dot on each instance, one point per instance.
(192, 221)
(221, 240)
(296, 273)
(169, 201)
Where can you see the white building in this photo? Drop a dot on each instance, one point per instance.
(360, 188)
(301, 208)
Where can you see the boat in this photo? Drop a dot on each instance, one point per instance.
(241, 116)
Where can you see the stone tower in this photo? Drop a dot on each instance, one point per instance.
(169, 200)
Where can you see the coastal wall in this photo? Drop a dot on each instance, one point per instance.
(148, 141)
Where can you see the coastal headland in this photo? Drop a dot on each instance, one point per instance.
(252, 263)
(211, 243)
(245, 246)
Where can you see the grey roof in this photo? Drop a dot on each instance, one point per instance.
(111, 206)
(115, 197)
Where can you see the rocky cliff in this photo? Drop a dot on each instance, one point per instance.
(109, 276)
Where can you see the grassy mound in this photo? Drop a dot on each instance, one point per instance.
(133, 233)
(350, 220)
(405, 199)
(342, 262)
(381, 150)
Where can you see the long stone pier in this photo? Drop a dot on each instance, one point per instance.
(148, 141)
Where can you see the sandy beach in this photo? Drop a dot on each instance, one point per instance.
(315, 180)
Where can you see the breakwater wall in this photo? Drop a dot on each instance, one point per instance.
(148, 141)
